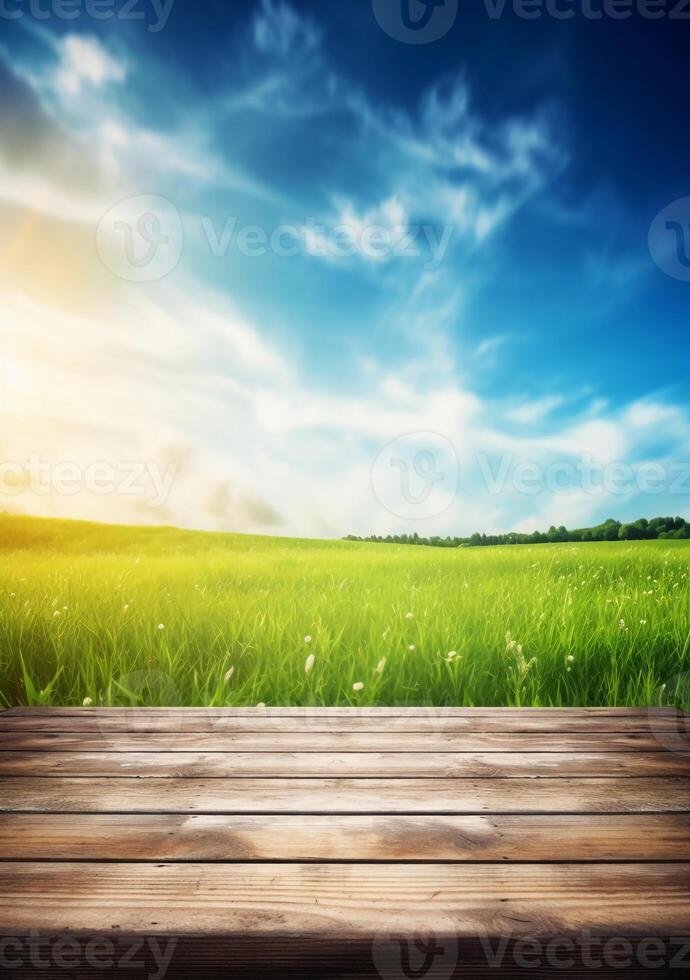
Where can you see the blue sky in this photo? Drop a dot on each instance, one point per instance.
(519, 162)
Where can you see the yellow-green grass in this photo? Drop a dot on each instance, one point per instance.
(82, 606)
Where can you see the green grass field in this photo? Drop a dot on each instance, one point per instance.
(130, 616)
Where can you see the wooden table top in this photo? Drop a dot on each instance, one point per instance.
(391, 843)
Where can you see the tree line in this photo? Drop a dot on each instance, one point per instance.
(666, 528)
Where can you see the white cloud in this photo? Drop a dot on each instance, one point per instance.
(489, 346)
(376, 235)
(531, 412)
(280, 30)
(648, 414)
(84, 60)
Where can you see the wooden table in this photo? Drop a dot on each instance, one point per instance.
(392, 843)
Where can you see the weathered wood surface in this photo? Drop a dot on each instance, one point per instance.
(359, 721)
(455, 765)
(325, 842)
(172, 837)
(398, 742)
(336, 795)
(333, 900)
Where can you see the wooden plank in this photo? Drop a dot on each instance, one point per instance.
(495, 765)
(133, 723)
(334, 901)
(336, 742)
(184, 837)
(338, 795)
(214, 956)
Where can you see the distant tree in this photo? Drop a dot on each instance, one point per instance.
(664, 528)
(611, 529)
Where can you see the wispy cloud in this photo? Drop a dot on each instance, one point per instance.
(531, 412)
(280, 30)
(84, 61)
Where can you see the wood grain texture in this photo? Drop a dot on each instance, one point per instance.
(323, 843)
(215, 956)
(338, 742)
(337, 795)
(315, 900)
(652, 722)
(131, 723)
(466, 765)
(317, 838)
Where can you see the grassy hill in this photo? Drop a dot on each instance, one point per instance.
(129, 616)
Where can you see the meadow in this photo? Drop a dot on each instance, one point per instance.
(129, 616)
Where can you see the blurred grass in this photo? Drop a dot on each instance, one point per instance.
(81, 608)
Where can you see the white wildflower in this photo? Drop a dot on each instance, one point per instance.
(307, 640)
(358, 686)
(309, 665)
(381, 666)
(87, 702)
(228, 676)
